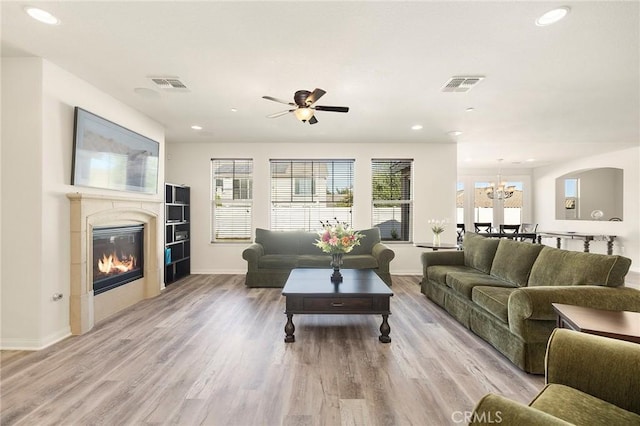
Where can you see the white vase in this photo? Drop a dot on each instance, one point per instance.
(436, 239)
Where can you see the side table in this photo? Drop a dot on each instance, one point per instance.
(621, 325)
(436, 247)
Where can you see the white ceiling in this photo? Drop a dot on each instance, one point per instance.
(550, 93)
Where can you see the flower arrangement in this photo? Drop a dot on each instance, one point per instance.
(337, 238)
(438, 226)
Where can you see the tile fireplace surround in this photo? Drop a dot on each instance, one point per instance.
(87, 211)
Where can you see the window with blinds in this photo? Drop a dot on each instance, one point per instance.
(392, 198)
(231, 199)
(304, 192)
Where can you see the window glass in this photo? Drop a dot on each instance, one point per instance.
(231, 199)
(392, 198)
(305, 192)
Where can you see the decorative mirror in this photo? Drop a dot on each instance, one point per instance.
(592, 194)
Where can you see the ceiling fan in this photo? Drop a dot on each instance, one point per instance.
(304, 105)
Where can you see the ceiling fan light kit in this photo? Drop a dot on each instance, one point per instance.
(303, 114)
(304, 110)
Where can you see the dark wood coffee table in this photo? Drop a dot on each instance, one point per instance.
(310, 291)
(622, 325)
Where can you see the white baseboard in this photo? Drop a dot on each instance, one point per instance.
(20, 344)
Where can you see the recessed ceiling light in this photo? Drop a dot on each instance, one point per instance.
(552, 16)
(41, 15)
(470, 109)
(529, 160)
(455, 133)
(416, 127)
(196, 127)
(234, 109)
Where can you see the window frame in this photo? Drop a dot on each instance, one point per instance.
(403, 199)
(241, 198)
(310, 190)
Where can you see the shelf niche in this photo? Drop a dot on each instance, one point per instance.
(177, 259)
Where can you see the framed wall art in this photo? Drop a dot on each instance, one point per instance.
(107, 155)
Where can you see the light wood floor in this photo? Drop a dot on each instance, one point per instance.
(210, 351)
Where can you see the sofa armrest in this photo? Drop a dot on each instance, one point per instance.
(251, 254)
(535, 302)
(384, 255)
(432, 258)
(531, 316)
(495, 409)
(605, 368)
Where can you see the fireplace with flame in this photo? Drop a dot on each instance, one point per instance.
(117, 256)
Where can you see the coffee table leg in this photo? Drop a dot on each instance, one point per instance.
(289, 329)
(385, 330)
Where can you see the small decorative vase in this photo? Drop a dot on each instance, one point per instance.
(436, 239)
(336, 262)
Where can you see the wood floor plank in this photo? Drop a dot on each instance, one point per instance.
(211, 351)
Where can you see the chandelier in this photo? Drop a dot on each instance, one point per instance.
(500, 190)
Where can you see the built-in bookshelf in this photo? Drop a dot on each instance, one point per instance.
(177, 239)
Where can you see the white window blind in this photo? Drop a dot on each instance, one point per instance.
(304, 192)
(392, 198)
(231, 199)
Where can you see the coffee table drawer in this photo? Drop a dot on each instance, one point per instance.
(329, 304)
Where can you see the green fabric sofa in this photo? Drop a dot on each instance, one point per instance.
(274, 254)
(590, 380)
(502, 290)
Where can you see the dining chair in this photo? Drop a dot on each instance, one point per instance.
(510, 229)
(482, 227)
(528, 228)
(460, 231)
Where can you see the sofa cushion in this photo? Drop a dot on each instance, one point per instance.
(370, 237)
(306, 242)
(278, 261)
(581, 408)
(479, 251)
(359, 261)
(513, 261)
(314, 261)
(494, 300)
(278, 242)
(556, 267)
(464, 282)
(438, 273)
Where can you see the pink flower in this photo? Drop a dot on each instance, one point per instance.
(333, 241)
(326, 237)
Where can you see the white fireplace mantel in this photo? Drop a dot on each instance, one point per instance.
(92, 210)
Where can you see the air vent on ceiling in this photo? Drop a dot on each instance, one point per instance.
(461, 83)
(169, 83)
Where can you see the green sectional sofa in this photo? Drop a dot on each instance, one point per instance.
(274, 254)
(590, 380)
(502, 290)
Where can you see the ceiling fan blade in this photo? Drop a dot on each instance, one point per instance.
(280, 114)
(313, 120)
(271, 98)
(314, 96)
(331, 108)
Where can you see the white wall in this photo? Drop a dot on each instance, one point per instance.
(434, 173)
(21, 199)
(38, 99)
(627, 232)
